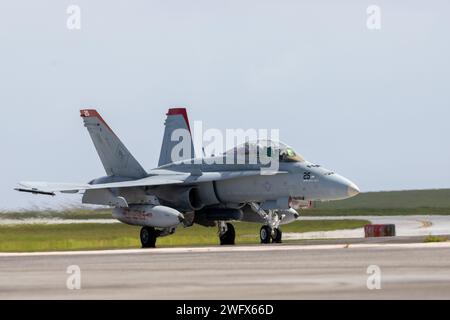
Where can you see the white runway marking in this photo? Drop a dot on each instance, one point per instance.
(254, 248)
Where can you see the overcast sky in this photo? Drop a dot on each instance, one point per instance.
(373, 105)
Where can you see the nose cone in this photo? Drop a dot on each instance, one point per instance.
(352, 190)
(337, 187)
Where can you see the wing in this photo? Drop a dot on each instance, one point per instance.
(164, 177)
(50, 188)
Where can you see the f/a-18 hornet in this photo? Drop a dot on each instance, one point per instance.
(209, 191)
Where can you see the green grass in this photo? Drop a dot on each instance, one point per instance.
(67, 214)
(41, 237)
(409, 199)
(317, 212)
(432, 238)
(410, 202)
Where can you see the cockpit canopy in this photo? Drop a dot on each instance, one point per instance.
(267, 148)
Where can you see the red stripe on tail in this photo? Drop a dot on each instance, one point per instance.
(180, 111)
(92, 113)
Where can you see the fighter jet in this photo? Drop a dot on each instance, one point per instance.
(209, 191)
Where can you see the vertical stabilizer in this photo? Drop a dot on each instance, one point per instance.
(115, 157)
(176, 119)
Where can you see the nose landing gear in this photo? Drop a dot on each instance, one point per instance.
(267, 234)
(264, 234)
(270, 231)
(277, 235)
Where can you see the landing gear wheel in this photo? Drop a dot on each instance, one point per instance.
(276, 235)
(228, 237)
(148, 237)
(264, 234)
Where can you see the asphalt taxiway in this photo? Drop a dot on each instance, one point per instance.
(291, 271)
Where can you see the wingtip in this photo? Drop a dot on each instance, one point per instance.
(35, 191)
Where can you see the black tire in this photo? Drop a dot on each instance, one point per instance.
(228, 238)
(148, 237)
(277, 235)
(265, 234)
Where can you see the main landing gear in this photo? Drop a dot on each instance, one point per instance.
(148, 237)
(227, 234)
(150, 234)
(270, 232)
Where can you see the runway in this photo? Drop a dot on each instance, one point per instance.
(332, 271)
